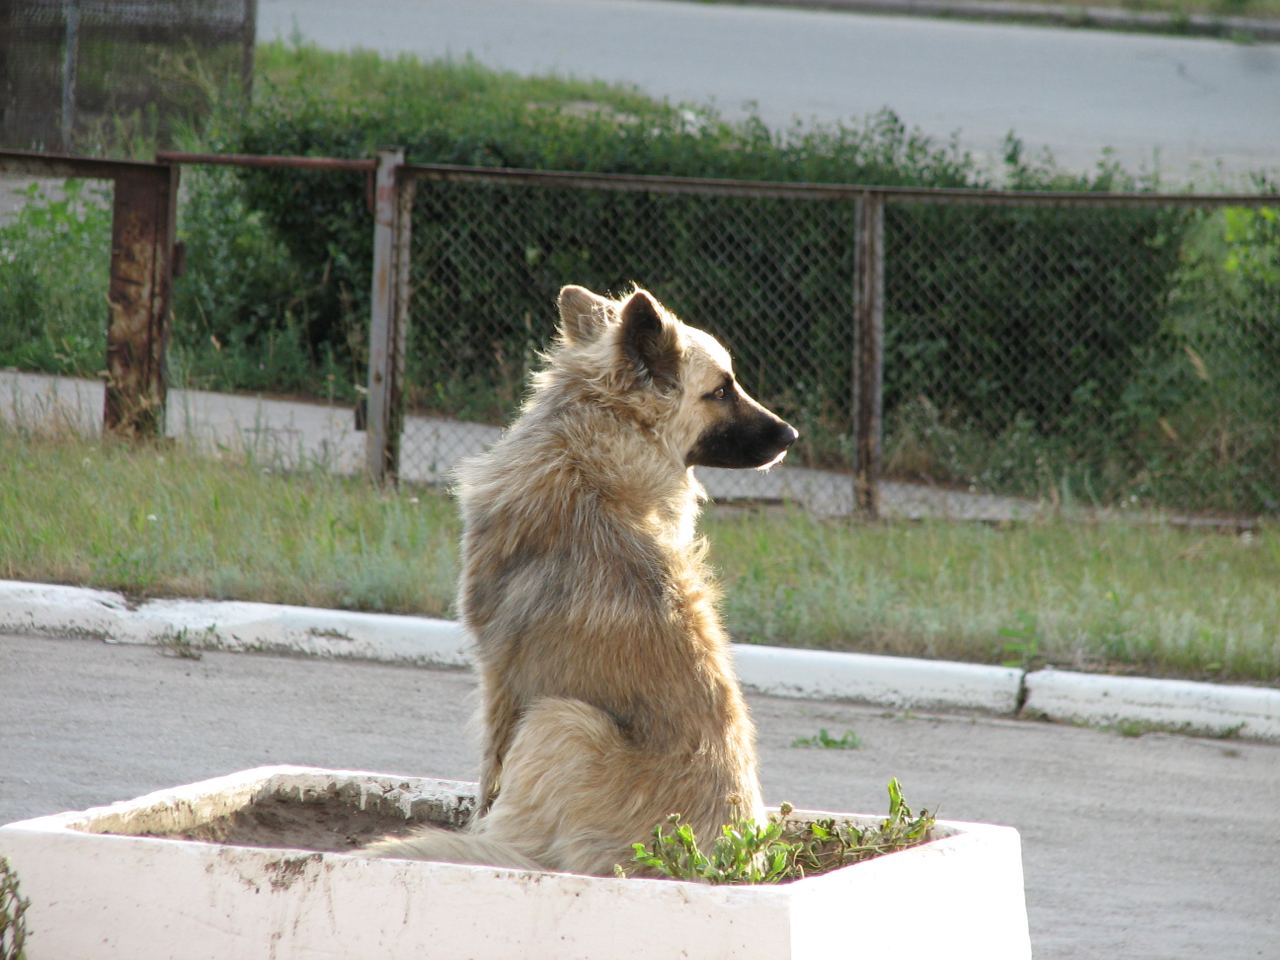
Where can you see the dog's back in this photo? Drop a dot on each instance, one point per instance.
(609, 697)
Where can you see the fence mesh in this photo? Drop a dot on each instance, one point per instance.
(1105, 352)
(1108, 353)
(78, 74)
(772, 278)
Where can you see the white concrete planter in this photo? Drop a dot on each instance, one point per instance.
(96, 894)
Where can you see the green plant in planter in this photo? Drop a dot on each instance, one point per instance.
(13, 925)
(777, 851)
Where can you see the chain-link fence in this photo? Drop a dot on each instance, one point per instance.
(1099, 348)
(80, 73)
(770, 276)
(1108, 349)
(1104, 351)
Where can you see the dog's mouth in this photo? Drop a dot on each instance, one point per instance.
(757, 443)
(788, 436)
(766, 467)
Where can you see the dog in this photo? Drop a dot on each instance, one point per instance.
(609, 699)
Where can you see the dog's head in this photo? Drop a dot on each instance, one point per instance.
(679, 379)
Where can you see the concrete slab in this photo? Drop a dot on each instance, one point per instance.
(292, 433)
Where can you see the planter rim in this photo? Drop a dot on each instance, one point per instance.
(253, 783)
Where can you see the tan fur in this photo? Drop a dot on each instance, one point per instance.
(609, 696)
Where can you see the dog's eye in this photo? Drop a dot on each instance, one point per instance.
(720, 393)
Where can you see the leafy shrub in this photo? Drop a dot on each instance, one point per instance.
(1203, 410)
(54, 264)
(1024, 311)
(461, 113)
(241, 310)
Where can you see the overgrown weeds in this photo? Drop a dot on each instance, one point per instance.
(781, 849)
(54, 260)
(13, 908)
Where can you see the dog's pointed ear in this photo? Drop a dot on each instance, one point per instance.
(650, 343)
(583, 315)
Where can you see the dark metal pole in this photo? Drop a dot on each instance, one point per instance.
(406, 190)
(248, 43)
(868, 353)
(386, 341)
(142, 233)
(70, 59)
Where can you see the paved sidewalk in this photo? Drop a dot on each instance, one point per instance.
(294, 432)
(1151, 848)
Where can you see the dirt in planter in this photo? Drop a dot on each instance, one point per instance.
(326, 823)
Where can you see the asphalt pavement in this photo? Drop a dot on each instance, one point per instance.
(1194, 106)
(1157, 847)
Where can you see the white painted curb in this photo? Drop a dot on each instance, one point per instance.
(46, 608)
(324, 633)
(53, 610)
(897, 682)
(1179, 704)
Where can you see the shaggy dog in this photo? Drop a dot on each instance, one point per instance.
(609, 699)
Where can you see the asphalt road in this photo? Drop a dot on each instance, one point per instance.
(1193, 104)
(1151, 848)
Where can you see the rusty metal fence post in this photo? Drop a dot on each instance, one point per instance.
(868, 353)
(142, 235)
(388, 308)
(143, 217)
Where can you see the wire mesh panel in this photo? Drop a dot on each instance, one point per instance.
(1108, 353)
(771, 277)
(1105, 350)
(77, 73)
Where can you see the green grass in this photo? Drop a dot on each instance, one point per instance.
(162, 521)
(1099, 597)
(355, 78)
(1119, 597)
